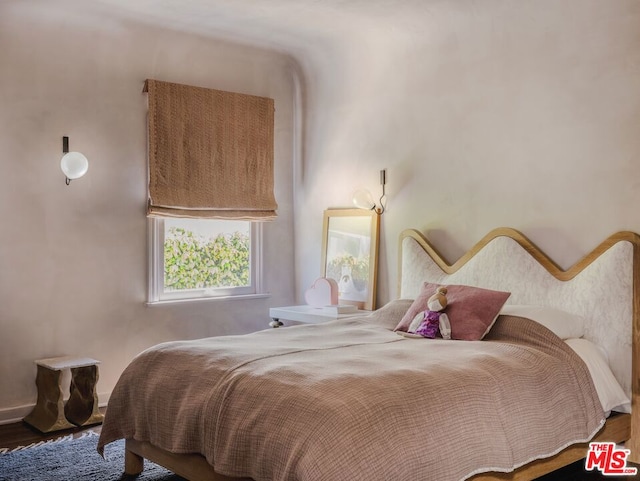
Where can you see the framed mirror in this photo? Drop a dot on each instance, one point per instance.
(350, 254)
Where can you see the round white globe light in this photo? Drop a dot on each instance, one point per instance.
(74, 165)
(362, 199)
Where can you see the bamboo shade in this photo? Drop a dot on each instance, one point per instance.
(210, 153)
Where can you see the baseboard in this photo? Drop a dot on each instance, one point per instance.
(14, 414)
(17, 413)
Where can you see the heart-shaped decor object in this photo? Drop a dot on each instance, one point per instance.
(323, 292)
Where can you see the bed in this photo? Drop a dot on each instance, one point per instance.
(352, 399)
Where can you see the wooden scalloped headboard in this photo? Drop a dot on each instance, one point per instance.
(603, 287)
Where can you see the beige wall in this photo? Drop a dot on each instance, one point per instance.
(73, 260)
(486, 114)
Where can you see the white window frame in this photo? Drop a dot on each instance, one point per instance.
(156, 294)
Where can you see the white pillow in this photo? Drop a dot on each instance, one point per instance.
(564, 324)
(610, 392)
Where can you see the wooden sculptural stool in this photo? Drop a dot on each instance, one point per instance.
(50, 412)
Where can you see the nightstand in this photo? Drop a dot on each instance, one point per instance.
(305, 314)
(51, 413)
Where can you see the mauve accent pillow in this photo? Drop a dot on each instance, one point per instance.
(471, 310)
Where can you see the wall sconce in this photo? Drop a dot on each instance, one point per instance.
(73, 164)
(362, 198)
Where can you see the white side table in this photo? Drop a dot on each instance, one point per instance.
(305, 314)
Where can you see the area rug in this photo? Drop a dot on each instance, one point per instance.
(68, 459)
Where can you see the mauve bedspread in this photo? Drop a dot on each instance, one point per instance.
(350, 399)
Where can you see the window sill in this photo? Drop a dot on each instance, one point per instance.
(166, 302)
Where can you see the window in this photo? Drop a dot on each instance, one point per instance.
(211, 161)
(203, 258)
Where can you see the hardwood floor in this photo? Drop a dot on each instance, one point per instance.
(576, 472)
(21, 434)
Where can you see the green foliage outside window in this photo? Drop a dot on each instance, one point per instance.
(192, 262)
(359, 269)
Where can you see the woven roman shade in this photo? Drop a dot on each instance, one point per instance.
(210, 153)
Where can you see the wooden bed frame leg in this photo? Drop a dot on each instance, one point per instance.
(133, 463)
